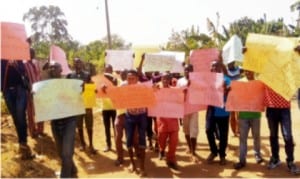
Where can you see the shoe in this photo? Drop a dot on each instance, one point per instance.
(161, 155)
(25, 152)
(172, 165)
(239, 165)
(211, 157)
(258, 159)
(92, 150)
(293, 168)
(118, 162)
(223, 161)
(273, 163)
(107, 149)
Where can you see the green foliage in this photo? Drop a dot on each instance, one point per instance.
(48, 24)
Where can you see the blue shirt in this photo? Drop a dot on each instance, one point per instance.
(221, 112)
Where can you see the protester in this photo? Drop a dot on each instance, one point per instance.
(278, 112)
(190, 121)
(220, 117)
(14, 87)
(136, 118)
(108, 111)
(168, 129)
(234, 73)
(247, 121)
(88, 118)
(64, 134)
(33, 73)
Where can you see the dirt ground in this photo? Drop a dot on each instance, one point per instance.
(47, 163)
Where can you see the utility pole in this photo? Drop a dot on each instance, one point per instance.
(108, 25)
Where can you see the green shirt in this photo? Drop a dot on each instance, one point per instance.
(249, 115)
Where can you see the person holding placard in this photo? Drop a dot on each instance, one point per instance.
(14, 87)
(249, 120)
(220, 117)
(88, 118)
(64, 133)
(33, 73)
(234, 73)
(108, 111)
(168, 129)
(190, 121)
(136, 118)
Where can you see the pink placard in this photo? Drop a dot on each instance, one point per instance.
(58, 55)
(201, 59)
(170, 103)
(246, 96)
(206, 88)
(13, 42)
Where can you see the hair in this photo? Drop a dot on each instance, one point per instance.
(133, 72)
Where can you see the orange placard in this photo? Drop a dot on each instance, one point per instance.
(99, 81)
(201, 59)
(13, 42)
(206, 88)
(58, 55)
(246, 96)
(132, 96)
(169, 103)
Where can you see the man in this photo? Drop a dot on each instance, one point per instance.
(64, 134)
(33, 73)
(234, 73)
(14, 87)
(108, 111)
(88, 116)
(278, 112)
(220, 117)
(190, 121)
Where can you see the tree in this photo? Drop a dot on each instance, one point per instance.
(48, 24)
(296, 6)
(188, 39)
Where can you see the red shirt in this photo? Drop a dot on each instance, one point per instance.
(167, 124)
(274, 100)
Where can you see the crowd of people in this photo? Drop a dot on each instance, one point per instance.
(17, 78)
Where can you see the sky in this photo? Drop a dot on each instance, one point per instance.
(147, 22)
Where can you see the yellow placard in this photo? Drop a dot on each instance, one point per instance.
(140, 50)
(89, 95)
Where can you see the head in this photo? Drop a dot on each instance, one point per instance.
(55, 70)
(124, 75)
(187, 69)
(249, 75)
(216, 66)
(78, 65)
(166, 80)
(132, 77)
(231, 65)
(108, 69)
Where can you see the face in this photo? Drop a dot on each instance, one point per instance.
(165, 81)
(231, 66)
(78, 65)
(249, 75)
(108, 69)
(55, 71)
(132, 79)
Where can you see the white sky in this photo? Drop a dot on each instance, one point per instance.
(147, 21)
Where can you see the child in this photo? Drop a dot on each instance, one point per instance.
(168, 131)
(249, 120)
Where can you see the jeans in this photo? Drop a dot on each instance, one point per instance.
(16, 101)
(282, 116)
(223, 125)
(245, 125)
(131, 123)
(64, 134)
(107, 115)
